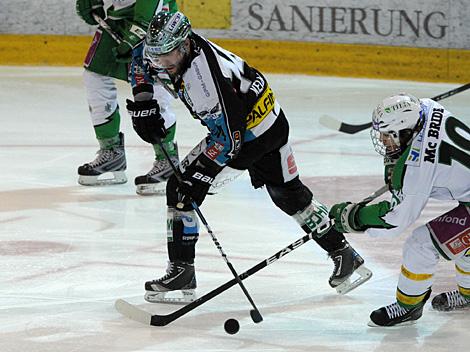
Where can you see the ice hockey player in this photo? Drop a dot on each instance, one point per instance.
(247, 131)
(433, 151)
(106, 61)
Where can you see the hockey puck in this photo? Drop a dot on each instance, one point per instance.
(231, 326)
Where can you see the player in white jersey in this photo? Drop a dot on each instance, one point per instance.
(431, 149)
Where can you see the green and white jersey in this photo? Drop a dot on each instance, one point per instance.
(139, 10)
(435, 165)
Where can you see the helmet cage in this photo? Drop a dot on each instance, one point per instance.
(394, 122)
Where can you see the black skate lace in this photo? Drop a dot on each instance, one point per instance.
(455, 299)
(104, 155)
(395, 310)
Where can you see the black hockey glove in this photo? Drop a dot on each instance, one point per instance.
(344, 215)
(86, 8)
(196, 181)
(146, 120)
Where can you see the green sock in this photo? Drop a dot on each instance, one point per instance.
(168, 144)
(108, 133)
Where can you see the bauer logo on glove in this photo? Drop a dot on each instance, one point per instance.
(147, 120)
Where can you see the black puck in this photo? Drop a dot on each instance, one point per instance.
(231, 326)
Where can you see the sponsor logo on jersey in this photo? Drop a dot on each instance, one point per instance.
(451, 220)
(237, 140)
(201, 79)
(139, 32)
(459, 243)
(214, 151)
(258, 85)
(291, 166)
(262, 108)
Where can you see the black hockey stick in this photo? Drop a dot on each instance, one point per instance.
(102, 23)
(135, 313)
(254, 313)
(337, 125)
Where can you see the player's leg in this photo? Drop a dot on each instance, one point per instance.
(104, 111)
(420, 258)
(182, 236)
(453, 228)
(276, 168)
(153, 182)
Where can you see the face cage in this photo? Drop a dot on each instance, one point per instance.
(381, 148)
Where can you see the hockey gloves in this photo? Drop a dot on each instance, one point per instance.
(196, 181)
(86, 8)
(345, 218)
(146, 120)
(131, 37)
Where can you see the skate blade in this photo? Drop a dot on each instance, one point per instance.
(149, 189)
(118, 177)
(132, 312)
(405, 323)
(171, 297)
(348, 285)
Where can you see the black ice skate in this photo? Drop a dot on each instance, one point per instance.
(396, 315)
(154, 182)
(347, 261)
(107, 161)
(180, 277)
(451, 300)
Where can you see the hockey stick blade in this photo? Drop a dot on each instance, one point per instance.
(337, 125)
(137, 314)
(133, 312)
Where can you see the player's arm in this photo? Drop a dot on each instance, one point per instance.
(86, 8)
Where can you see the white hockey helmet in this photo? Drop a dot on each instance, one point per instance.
(394, 123)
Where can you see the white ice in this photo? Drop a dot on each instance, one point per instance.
(67, 252)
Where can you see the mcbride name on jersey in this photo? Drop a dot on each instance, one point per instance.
(233, 100)
(435, 165)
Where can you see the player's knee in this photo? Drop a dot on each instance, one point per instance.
(419, 253)
(291, 197)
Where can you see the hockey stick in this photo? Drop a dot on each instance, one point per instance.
(254, 313)
(102, 23)
(337, 125)
(135, 313)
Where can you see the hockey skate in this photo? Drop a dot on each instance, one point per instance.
(451, 300)
(348, 262)
(177, 286)
(112, 160)
(396, 315)
(154, 182)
